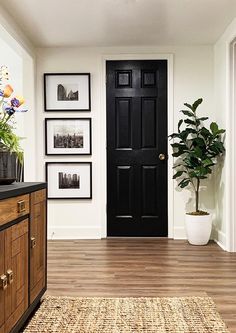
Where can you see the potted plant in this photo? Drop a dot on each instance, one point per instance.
(10, 149)
(196, 148)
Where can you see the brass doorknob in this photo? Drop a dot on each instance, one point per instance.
(162, 157)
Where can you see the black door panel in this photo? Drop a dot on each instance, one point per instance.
(136, 135)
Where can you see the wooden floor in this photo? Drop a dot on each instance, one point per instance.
(143, 267)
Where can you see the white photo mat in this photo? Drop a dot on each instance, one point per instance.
(83, 172)
(68, 126)
(79, 83)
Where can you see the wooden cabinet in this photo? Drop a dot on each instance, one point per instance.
(22, 256)
(2, 277)
(13, 208)
(16, 271)
(37, 243)
(14, 274)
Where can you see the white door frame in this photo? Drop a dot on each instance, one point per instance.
(103, 180)
(230, 148)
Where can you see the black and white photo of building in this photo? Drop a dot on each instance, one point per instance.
(67, 92)
(68, 136)
(68, 181)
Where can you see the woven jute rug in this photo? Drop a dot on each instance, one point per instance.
(126, 315)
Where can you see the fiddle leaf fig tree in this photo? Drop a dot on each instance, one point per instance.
(196, 148)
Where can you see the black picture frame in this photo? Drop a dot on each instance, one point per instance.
(47, 165)
(69, 108)
(64, 120)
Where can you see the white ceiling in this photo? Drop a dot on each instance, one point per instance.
(51, 23)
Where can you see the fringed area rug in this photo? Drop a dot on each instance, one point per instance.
(126, 315)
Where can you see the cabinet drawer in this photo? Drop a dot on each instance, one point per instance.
(12, 208)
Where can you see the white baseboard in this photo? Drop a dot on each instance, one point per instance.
(95, 233)
(220, 238)
(179, 233)
(74, 233)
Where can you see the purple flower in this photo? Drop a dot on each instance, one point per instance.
(1, 93)
(15, 102)
(9, 110)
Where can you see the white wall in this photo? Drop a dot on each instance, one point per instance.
(16, 38)
(225, 114)
(193, 78)
(14, 62)
(18, 54)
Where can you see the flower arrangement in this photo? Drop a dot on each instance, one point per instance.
(9, 105)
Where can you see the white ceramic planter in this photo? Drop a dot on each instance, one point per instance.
(198, 228)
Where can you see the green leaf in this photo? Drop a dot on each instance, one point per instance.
(202, 171)
(191, 130)
(214, 128)
(178, 153)
(178, 174)
(203, 118)
(177, 165)
(198, 142)
(221, 131)
(197, 103)
(204, 130)
(189, 106)
(190, 122)
(198, 152)
(175, 135)
(184, 182)
(192, 174)
(183, 135)
(179, 146)
(175, 145)
(208, 162)
(219, 146)
(187, 113)
(179, 124)
(191, 160)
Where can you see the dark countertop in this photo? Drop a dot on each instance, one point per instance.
(9, 191)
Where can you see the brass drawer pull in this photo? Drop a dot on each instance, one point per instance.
(21, 206)
(9, 276)
(3, 281)
(33, 242)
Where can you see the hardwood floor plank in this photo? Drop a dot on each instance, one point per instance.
(143, 267)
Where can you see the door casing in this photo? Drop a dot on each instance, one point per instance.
(103, 133)
(228, 240)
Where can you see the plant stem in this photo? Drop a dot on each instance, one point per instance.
(191, 181)
(6, 118)
(198, 180)
(197, 194)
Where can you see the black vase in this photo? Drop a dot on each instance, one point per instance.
(8, 167)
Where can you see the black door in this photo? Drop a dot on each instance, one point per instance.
(136, 136)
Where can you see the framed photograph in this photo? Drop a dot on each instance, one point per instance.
(68, 136)
(67, 92)
(69, 180)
